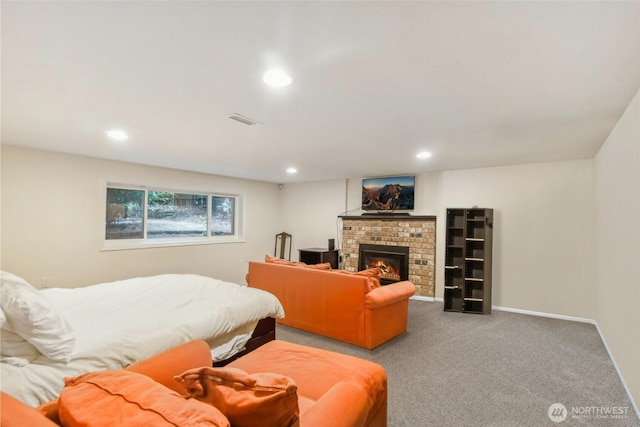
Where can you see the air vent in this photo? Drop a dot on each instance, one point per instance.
(243, 119)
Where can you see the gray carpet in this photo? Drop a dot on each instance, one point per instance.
(503, 369)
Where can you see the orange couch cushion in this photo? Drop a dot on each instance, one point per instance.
(257, 400)
(124, 398)
(373, 274)
(332, 387)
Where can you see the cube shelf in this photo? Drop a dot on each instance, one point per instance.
(468, 260)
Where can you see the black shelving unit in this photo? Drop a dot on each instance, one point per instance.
(468, 260)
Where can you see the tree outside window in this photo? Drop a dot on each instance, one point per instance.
(163, 216)
(124, 216)
(223, 216)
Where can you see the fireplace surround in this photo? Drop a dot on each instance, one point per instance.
(418, 233)
(393, 261)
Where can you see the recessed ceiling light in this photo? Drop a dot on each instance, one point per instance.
(291, 171)
(276, 77)
(117, 135)
(423, 155)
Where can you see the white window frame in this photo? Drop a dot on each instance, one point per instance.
(145, 242)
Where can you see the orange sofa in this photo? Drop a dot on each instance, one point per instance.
(333, 389)
(336, 304)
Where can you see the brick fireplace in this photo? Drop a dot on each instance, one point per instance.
(393, 261)
(418, 233)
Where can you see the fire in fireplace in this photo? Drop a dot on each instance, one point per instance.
(393, 261)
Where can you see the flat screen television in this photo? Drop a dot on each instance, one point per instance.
(388, 194)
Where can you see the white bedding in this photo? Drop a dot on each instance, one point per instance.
(120, 323)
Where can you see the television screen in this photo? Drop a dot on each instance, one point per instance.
(388, 194)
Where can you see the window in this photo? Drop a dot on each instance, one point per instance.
(156, 217)
(124, 214)
(171, 215)
(222, 214)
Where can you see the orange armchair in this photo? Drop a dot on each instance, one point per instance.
(333, 389)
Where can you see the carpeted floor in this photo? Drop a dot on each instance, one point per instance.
(503, 369)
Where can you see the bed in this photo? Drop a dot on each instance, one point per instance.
(54, 333)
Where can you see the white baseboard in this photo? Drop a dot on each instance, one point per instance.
(543, 314)
(562, 317)
(421, 298)
(615, 365)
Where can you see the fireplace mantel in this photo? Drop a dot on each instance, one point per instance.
(390, 217)
(418, 232)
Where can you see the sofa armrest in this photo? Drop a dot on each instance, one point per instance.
(16, 414)
(389, 294)
(164, 366)
(346, 404)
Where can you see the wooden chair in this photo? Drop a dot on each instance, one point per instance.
(283, 238)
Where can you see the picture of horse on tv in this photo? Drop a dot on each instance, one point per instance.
(388, 194)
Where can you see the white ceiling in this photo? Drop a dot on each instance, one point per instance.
(476, 83)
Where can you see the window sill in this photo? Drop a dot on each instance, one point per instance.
(121, 245)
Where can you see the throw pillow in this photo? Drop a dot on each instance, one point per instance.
(321, 266)
(129, 399)
(273, 260)
(373, 274)
(31, 316)
(256, 400)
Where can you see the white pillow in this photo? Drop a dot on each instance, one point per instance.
(16, 350)
(12, 343)
(30, 315)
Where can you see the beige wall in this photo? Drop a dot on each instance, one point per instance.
(544, 218)
(618, 244)
(53, 221)
(543, 232)
(310, 211)
(544, 244)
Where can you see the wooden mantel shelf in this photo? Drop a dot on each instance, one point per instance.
(389, 217)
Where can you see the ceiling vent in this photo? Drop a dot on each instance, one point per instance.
(243, 119)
